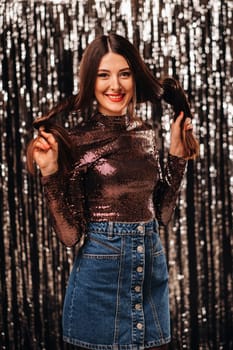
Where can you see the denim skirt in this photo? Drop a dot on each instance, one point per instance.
(117, 295)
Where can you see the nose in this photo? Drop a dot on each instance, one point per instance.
(115, 83)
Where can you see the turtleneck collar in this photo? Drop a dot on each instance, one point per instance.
(121, 121)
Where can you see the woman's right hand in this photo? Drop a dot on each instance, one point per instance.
(45, 152)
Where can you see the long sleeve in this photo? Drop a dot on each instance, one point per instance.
(65, 199)
(116, 177)
(168, 187)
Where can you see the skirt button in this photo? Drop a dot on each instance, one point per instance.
(140, 249)
(138, 306)
(137, 289)
(140, 228)
(139, 269)
(139, 326)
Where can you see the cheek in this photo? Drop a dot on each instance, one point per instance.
(98, 96)
(99, 87)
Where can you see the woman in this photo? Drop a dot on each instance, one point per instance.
(106, 193)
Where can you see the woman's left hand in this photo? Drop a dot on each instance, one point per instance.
(177, 129)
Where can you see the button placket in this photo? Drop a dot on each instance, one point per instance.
(137, 283)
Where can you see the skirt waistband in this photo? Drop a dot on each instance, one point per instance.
(123, 228)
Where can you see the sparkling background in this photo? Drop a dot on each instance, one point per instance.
(41, 43)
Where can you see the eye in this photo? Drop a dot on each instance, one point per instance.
(102, 75)
(125, 74)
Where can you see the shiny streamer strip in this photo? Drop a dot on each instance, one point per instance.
(41, 43)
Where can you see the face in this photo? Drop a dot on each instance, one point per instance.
(114, 86)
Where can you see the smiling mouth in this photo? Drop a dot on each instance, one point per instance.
(116, 98)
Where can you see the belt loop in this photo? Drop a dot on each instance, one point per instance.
(110, 229)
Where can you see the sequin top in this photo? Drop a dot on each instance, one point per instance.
(116, 177)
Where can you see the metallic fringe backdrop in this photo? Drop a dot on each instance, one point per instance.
(41, 43)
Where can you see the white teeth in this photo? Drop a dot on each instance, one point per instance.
(115, 97)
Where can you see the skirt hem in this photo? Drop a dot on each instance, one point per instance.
(85, 345)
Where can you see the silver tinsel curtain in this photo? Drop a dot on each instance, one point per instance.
(41, 43)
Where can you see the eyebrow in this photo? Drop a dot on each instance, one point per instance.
(108, 70)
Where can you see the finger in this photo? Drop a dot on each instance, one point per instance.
(188, 127)
(179, 118)
(188, 124)
(41, 144)
(50, 140)
(48, 137)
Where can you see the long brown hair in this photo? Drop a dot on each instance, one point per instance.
(148, 88)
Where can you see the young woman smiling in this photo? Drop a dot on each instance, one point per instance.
(107, 194)
(114, 87)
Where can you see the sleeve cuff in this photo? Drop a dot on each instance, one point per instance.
(51, 178)
(175, 170)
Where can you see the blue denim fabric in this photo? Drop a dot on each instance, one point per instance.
(117, 295)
